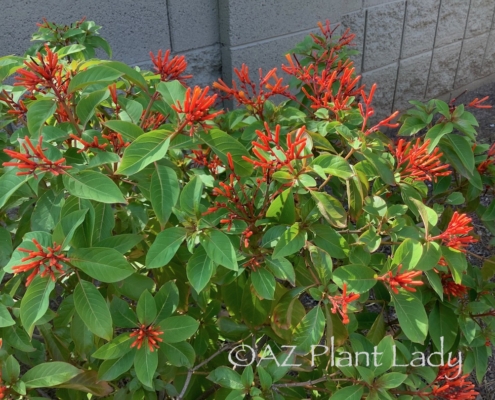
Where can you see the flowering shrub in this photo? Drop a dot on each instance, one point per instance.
(153, 246)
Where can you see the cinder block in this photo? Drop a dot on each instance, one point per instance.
(133, 28)
(443, 68)
(480, 17)
(265, 55)
(419, 27)
(451, 22)
(245, 22)
(373, 3)
(355, 22)
(471, 60)
(488, 66)
(193, 23)
(385, 79)
(383, 35)
(411, 82)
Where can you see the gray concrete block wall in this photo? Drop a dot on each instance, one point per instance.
(413, 49)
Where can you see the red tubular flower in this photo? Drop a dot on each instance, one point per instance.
(450, 288)
(117, 141)
(89, 145)
(341, 302)
(150, 334)
(153, 120)
(253, 95)
(477, 103)
(37, 161)
(50, 259)
(17, 109)
(413, 161)
(196, 107)
(449, 385)
(404, 280)
(457, 235)
(490, 159)
(200, 157)
(170, 70)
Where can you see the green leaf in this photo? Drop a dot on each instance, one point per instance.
(436, 133)
(38, 113)
(383, 360)
(5, 246)
(97, 74)
(105, 264)
(331, 209)
(35, 301)
(46, 213)
(282, 208)
(166, 300)
(112, 369)
(330, 241)
(358, 278)
(291, 241)
(199, 269)
(116, 348)
(127, 129)
(5, 317)
(391, 380)
(88, 382)
(382, 166)
(411, 126)
(180, 354)
(149, 147)
(93, 185)
(121, 243)
(85, 108)
(412, 316)
(122, 315)
(354, 392)
(263, 283)
(443, 326)
(463, 149)
(322, 263)
(145, 364)
(165, 246)
(49, 374)
(178, 329)
(129, 73)
(456, 260)
(9, 183)
(164, 192)
(172, 92)
(334, 165)
(146, 308)
(489, 214)
(408, 254)
(71, 49)
(309, 331)
(222, 144)
(220, 249)
(226, 377)
(190, 198)
(65, 229)
(93, 310)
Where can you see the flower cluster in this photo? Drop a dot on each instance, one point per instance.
(367, 111)
(251, 95)
(448, 385)
(117, 141)
(414, 161)
(405, 280)
(50, 259)
(457, 233)
(478, 103)
(43, 74)
(34, 160)
(205, 158)
(17, 109)
(89, 145)
(341, 302)
(196, 107)
(450, 288)
(149, 334)
(271, 156)
(170, 70)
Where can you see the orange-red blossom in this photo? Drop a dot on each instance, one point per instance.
(50, 259)
(170, 70)
(149, 334)
(196, 107)
(448, 385)
(404, 280)
(341, 302)
(457, 235)
(34, 159)
(414, 161)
